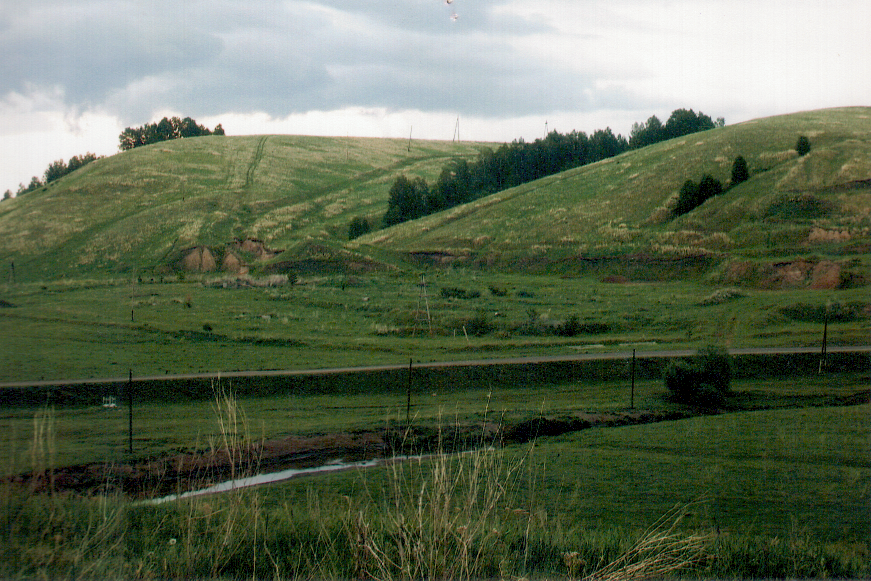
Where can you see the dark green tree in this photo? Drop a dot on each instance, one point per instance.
(407, 200)
(688, 198)
(165, 129)
(709, 187)
(740, 171)
(803, 145)
(55, 170)
(358, 227)
(644, 134)
(685, 121)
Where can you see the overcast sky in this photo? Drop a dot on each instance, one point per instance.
(74, 73)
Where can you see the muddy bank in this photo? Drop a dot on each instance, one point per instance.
(179, 473)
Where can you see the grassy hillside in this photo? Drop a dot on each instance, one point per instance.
(141, 209)
(619, 208)
(97, 254)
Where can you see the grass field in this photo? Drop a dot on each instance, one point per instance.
(69, 330)
(96, 434)
(768, 493)
(90, 282)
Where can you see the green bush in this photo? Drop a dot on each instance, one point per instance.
(803, 145)
(459, 293)
(740, 171)
(703, 380)
(358, 227)
(478, 325)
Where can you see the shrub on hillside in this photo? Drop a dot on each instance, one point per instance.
(478, 325)
(459, 293)
(569, 328)
(803, 145)
(703, 380)
(740, 171)
(693, 195)
(358, 227)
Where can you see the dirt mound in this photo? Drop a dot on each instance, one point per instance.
(198, 259)
(808, 273)
(256, 248)
(233, 264)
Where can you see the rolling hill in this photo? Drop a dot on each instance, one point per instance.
(131, 262)
(284, 203)
(613, 216)
(159, 207)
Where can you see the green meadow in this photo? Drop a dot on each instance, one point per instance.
(765, 493)
(220, 254)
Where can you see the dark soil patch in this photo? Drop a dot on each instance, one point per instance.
(155, 477)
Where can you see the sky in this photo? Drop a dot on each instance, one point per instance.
(75, 73)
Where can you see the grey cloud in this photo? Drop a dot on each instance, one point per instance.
(206, 58)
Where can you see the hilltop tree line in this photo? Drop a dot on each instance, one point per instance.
(513, 164)
(164, 130)
(54, 171)
(681, 122)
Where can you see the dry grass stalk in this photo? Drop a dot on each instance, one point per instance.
(660, 552)
(440, 519)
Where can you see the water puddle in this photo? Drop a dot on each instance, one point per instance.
(270, 478)
(274, 477)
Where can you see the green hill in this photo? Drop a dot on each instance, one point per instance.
(98, 255)
(145, 209)
(284, 203)
(613, 216)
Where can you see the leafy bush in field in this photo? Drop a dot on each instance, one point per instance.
(358, 227)
(703, 380)
(740, 171)
(693, 195)
(459, 293)
(570, 327)
(479, 324)
(803, 145)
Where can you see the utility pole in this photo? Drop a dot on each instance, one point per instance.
(130, 414)
(632, 392)
(422, 313)
(825, 340)
(408, 400)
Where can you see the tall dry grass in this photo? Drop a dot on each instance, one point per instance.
(439, 517)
